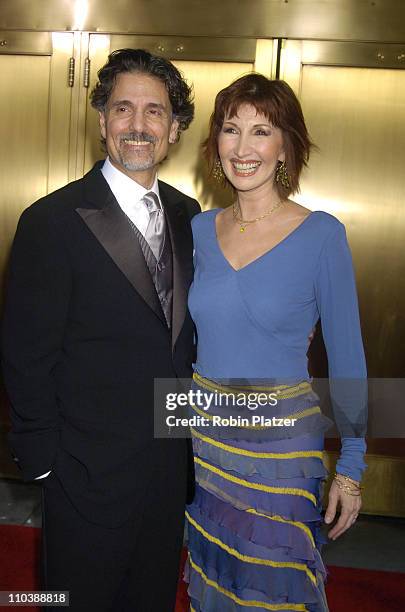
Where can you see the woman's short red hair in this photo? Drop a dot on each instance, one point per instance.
(278, 103)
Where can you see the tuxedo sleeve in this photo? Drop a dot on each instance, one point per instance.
(36, 307)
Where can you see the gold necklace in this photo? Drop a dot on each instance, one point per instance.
(245, 222)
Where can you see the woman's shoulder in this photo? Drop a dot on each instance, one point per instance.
(325, 225)
(317, 222)
(326, 219)
(329, 234)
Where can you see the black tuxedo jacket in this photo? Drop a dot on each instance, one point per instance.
(84, 336)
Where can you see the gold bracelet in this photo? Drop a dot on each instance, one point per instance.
(342, 485)
(355, 492)
(348, 479)
(346, 489)
(351, 486)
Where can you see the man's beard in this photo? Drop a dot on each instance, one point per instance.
(132, 159)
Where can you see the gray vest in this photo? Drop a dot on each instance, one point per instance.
(161, 271)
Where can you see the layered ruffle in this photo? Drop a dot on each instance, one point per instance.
(253, 527)
(292, 498)
(249, 459)
(210, 592)
(273, 531)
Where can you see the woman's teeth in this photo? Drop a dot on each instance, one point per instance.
(245, 167)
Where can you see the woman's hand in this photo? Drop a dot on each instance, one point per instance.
(349, 509)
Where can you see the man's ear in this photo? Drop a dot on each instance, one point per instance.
(174, 131)
(101, 119)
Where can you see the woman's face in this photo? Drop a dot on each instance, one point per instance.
(249, 148)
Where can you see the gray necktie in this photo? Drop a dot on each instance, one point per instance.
(155, 232)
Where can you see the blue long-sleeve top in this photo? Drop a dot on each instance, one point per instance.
(254, 323)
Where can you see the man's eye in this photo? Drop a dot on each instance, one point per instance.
(155, 112)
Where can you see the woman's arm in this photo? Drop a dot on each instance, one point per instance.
(338, 308)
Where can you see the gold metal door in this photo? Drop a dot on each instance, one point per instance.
(35, 133)
(210, 65)
(353, 100)
(35, 122)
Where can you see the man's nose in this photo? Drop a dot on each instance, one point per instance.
(137, 122)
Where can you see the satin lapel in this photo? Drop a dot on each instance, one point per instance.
(111, 228)
(182, 248)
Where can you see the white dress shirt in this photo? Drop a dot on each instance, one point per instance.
(128, 194)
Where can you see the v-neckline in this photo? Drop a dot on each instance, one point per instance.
(257, 259)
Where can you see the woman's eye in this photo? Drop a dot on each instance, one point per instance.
(229, 130)
(262, 133)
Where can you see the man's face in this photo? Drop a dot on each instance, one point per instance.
(138, 125)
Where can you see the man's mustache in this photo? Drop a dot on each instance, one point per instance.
(138, 137)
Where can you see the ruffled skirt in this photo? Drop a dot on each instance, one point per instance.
(253, 528)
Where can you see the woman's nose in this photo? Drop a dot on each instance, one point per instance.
(242, 146)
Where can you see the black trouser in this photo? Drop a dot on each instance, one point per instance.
(134, 567)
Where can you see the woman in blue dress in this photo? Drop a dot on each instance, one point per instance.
(266, 269)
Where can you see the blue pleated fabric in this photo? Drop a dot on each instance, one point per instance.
(253, 529)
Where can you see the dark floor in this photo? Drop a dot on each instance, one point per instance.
(372, 543)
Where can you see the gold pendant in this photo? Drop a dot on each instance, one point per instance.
(242, 229)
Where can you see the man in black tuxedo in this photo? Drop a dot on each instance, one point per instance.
(96, 309)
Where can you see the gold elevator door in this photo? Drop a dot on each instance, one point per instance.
(35, 136)
(356, 116)
(208, 64)
(355, 112)
(34, 127)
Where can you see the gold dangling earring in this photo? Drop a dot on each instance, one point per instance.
(217, 171)
(282, 175)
